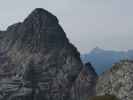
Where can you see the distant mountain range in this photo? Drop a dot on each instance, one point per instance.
(103, 59)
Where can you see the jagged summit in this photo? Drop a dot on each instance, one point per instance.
(97, 50)
(41, 12)
(38, 18)
(41, 17)
(40, 29)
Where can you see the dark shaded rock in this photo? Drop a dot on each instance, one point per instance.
(37, 62)
(38, 31)
(85, 83)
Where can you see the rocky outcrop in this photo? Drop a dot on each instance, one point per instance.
(117, 81)
(85, 84)
(37, 62)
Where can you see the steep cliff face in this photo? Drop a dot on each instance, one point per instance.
(117, 81)
(37, 62)
(85, 84)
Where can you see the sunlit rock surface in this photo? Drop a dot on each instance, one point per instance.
(117, 81)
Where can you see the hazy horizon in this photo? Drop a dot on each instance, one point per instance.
(87, 23)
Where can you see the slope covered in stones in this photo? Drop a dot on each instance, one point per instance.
(117, 81)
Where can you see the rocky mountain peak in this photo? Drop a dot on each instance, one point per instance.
(39, 30)
(40, 12)
(40, 19)
(37, 62)
(43, 28)
(37, 20)
(97, 50)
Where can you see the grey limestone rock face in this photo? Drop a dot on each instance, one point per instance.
(37, 61)
(117, 81)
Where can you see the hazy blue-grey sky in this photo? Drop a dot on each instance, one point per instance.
(88, 23)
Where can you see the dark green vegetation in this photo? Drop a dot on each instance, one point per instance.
(105, 97)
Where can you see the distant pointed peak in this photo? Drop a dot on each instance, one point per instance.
(97, 49)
